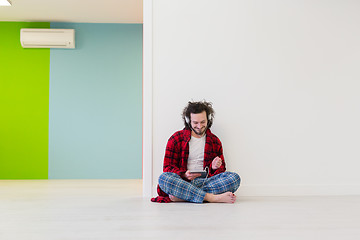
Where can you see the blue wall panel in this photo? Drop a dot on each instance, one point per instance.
(95, 103)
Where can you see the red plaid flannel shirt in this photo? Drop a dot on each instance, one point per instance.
(177, 153)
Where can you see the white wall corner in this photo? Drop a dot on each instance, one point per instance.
(147, 99)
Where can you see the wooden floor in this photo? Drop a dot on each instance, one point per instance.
(115, 209)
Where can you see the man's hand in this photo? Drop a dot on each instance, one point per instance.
(191, 176)
(216, 163)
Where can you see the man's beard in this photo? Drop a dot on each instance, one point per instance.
(199, 132)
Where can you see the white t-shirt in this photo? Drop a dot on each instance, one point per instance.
(196, 154)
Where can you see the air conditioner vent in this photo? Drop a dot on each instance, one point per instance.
(47, 38)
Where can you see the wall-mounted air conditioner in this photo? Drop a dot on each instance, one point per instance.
(47, 38)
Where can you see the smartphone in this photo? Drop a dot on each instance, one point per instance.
(203, 173)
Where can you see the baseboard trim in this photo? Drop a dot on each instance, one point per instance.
(298, 190)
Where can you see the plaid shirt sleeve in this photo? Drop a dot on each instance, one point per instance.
(173, 154)
(213, 149)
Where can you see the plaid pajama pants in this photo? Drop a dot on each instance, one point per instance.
(195, 191)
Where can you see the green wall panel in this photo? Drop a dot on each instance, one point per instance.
(24, 105)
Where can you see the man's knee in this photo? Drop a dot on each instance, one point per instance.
(166, 175)
(235, 180)
(165, 178)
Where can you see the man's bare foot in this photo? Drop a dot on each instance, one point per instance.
(175, 199)
(227, 197)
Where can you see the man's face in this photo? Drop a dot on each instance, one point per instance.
(198, 123)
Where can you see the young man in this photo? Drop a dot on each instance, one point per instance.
(194, 166)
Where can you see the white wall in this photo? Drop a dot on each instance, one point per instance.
(284, 79)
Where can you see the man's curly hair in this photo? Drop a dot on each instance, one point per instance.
(198, 107)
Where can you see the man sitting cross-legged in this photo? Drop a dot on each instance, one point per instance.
(193, 150)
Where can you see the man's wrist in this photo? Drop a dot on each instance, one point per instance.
(182, 175)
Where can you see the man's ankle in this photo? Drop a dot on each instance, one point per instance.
(208, 197)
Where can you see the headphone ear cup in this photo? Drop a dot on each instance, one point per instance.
(209, 119)
(187, 120)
